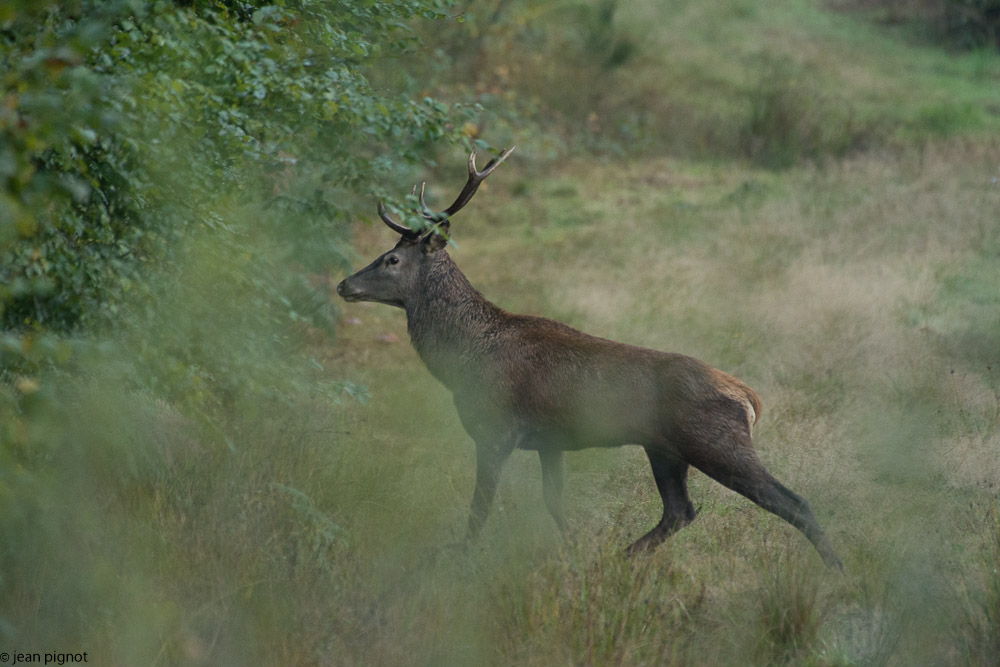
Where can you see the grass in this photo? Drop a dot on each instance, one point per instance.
(857, 293)
(863, 412)
(325, 523)
(776, 83)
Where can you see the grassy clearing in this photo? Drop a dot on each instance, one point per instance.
(326, 524)
(777, 83)
(832, 291)
(858, 294)
(857, 298)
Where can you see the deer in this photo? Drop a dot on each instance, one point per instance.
(532, 383)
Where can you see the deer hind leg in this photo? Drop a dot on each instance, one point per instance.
(736, 465)
(670, 474)
(552, 485)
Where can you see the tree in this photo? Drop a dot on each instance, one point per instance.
(131, 127)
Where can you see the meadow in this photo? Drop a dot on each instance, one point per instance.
(835, 293)
(813, 207)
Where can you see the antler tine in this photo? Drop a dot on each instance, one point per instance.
(476, 177)
(426, 212)
(440, 219)
(392, 224)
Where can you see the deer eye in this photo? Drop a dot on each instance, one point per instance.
(392, 259)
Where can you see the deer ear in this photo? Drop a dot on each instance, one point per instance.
(436, 240)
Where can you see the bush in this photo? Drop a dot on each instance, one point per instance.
(790, 119)
(138, 136)
(127, 123)
(967, 24)
(973, 23)
(175, 181)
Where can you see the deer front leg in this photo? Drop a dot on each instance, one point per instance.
(490, 457)
(552, 485)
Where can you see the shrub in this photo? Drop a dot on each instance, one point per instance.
(967, 24)
(127, 123)
(228, 142)
(175, 179)
(789, 119)
(973, 23)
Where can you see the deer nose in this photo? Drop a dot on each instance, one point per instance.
(340, 287)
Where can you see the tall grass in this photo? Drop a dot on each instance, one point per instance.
(285, 521)
(789, 609)
(849, 334)
(293, 530)
(978, 624)
(792, 118)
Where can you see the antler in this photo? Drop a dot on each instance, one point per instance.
(392, 224)
(440, 219)
(475, 179)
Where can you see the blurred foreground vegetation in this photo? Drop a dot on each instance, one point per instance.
(203, 461)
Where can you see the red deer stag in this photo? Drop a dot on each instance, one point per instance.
(533, 383)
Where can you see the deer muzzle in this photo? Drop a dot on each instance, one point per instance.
(347, 292)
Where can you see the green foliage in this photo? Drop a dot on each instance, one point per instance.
(175, 181)
(127, 123)
(206, 156)
(183, 481)
(61, 244)
(973, 23)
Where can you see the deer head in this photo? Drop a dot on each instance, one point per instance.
(398, 272)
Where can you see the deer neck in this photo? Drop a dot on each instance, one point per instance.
(449, 321)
